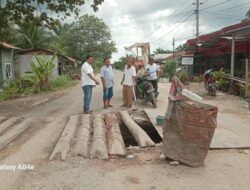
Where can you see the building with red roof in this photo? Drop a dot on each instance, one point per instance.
(226, 48)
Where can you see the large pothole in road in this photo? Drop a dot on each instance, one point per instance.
(152, 133)
(129, 140)
(98, 135)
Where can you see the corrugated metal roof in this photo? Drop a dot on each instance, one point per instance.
(219, 33)
(161, 56)
(69, 58)
(8, 46)
(181, 54)
(46, 51)
(37, 50)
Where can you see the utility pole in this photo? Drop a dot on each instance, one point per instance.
(197, 13)
(173, 47)
(197, 18)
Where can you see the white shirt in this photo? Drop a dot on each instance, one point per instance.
(85, 80)
(128, 76)
(152, 70)
(107, 74)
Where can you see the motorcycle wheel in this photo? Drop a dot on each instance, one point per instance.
(214, 92)
(153, 99)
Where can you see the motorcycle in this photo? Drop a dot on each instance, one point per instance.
(144, 90)
(210, 82)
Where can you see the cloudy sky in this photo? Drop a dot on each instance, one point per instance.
(158, 21)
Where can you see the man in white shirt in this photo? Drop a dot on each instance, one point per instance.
(128, 82)
(107, 77)
(153, 71)
(88, 80)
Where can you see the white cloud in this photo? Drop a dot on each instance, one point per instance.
(158, 21)
(111, 3)
(162, 13)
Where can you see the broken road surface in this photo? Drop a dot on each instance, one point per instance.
(145, 170)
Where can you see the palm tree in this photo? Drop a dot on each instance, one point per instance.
(31, 35)
(161, 51)
(59, 36)
(248, 14)
(181, 47)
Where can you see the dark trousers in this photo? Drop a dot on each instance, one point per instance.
(155, 84)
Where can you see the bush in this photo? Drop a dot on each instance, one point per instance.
(197, 79)
(15, 88)
(170, 68)
(42, 69)
(183, 76)
(218, 75)
(8, 93)
(221, 82)
(28, 85)
(119, 65)
(61, 81)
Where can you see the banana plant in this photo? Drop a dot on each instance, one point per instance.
(43, 68)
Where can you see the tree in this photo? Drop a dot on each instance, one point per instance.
(89, 35)
(181, 47)
(161, 51)
(20, 11)
(170, 68)
(59, 33)
(248, 13)
(46, 9)
(31, 35)
(120, 64)
(6, 32)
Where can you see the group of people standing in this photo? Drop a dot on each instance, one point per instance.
(88, 81)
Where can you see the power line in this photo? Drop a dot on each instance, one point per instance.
(144, 21)
(169, 32)
(222, 17)
(176, 27)
(177, 33)
(176, 40)
(216, 5)
(213, 22)
(231, 8)
(219, 14)
(205, 1)
(174, 13)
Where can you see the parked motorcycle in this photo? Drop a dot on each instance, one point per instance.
(145, 90)
(210, 82)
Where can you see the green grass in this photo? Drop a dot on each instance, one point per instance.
(62, 81)
(8, 94)
(197, 79)
(20, 87)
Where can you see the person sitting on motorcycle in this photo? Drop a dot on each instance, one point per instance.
(152, 72)
(208, 77)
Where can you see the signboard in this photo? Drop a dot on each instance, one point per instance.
(187, 60)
